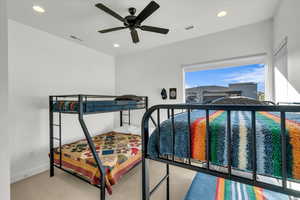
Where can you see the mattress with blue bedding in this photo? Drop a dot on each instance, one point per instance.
(268, 140)
(96, 106)
(213, 188)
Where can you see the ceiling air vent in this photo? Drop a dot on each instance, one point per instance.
(189, 27)
(75, 38)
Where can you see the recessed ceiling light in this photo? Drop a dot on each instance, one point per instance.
(38, 9)
(116, 45)
(222, 14)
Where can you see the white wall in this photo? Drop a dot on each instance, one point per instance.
(286, 24)
(145, 73)
(4, 139)
(40, 65)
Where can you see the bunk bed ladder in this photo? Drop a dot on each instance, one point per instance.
(53, 138)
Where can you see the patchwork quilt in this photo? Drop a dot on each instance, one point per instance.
(119, 152)
(268, 139)
(214, 188)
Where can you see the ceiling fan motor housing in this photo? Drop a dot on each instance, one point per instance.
(130, 21)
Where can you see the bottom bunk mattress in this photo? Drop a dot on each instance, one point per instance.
(213, 188)
(119, 152)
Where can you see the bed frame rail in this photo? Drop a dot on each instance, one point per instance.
(206, 166)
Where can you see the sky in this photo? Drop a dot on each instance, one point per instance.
(223, 77)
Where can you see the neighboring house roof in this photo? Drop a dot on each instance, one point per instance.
(206, 87)
(245, 83)
(223, 91)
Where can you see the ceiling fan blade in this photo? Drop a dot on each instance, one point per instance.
(135, 36)
(111, 29)
(150, 8)
(109, 11)
(155, 29)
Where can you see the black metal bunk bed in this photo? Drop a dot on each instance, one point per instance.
(205, 166)
(85, 105)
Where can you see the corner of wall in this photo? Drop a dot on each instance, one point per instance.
(4, 136)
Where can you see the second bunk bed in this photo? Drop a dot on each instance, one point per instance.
(100, 160)
(247, 150)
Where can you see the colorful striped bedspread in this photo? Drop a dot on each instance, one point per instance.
(212, 188)
(268, 140)
(119, 152)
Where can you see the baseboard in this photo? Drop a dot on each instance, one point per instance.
(28, 173)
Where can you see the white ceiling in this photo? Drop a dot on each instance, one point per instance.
(80, 18)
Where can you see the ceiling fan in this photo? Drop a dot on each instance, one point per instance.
(134, 22)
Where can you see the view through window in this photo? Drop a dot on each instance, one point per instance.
(205, 86)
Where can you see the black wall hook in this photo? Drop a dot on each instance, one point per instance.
(164, 94)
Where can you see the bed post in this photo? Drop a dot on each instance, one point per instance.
(147, 108)
(92, 148)
(145, 162)
(145, 179)
(168, 182)
(146, 103)
(51, 137)
(121, 118)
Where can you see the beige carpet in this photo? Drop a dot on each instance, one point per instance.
(66, 187)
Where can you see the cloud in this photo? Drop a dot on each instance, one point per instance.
(190, 86)
(187, 86)
(256, 75)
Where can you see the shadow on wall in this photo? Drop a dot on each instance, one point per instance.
(284, 90)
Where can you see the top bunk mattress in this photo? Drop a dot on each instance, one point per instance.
(96, 106)
(268, 140)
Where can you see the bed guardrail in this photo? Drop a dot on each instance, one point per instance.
(206, 168)
(85, 99)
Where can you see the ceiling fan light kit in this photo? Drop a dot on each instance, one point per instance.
(133, 22)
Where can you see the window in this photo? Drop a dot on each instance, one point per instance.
(206, 83)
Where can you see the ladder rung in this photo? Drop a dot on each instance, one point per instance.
(55, 138)
(125, 122)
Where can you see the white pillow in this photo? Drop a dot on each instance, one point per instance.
(129, 129)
